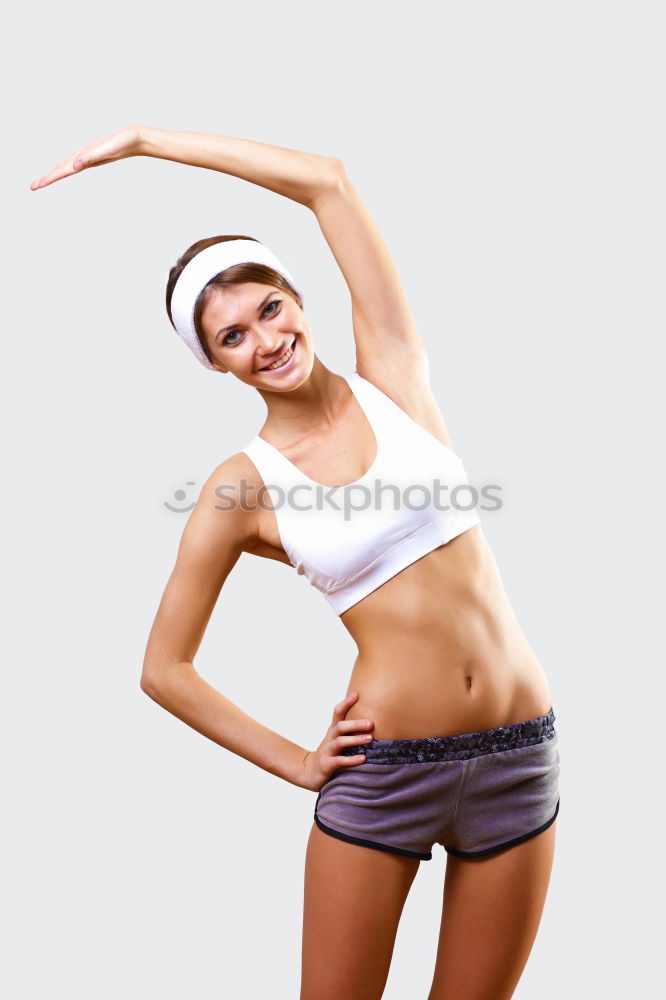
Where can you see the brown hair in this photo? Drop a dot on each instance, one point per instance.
(235, 275)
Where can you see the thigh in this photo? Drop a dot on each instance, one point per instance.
(491, 913)
(353, 900)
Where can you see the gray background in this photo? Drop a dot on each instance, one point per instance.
(512, 156)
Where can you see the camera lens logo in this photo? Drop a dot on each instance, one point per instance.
(180, 496)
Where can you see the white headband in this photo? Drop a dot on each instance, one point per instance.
(206, 265)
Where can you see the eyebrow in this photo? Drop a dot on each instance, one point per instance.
(233, 326)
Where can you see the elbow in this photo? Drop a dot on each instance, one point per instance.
(335, 170)
(336, 175)
(146, 684)
(331, 177)
(150, 682)
(157, 677)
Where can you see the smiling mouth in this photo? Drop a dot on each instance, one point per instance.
(286, 357)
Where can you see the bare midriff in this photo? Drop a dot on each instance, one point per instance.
(440, 650)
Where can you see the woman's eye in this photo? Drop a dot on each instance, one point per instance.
(233, 333)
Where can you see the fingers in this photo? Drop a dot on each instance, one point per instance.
(64, 169)
(90, 155)
(116, 145)
(351, 725)
(342, 725)
(355, 739)
(343, 706)
(350, 741)
(347, 733)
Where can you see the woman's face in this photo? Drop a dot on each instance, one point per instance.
(248, 327)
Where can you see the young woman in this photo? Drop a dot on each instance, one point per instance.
(446, 734)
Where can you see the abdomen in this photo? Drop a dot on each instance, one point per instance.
(441, 650)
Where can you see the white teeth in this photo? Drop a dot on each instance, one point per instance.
(281, 361)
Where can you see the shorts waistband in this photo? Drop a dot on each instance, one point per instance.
(461, 746)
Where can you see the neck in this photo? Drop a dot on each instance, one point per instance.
(312, 407)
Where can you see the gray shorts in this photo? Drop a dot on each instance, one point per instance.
(472, 793)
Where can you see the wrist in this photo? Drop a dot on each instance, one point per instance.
(303, 778)
(147, 140)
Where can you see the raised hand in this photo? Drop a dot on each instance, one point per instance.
(116, 145)
(320, 764)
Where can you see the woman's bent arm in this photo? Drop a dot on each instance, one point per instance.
(184, 693)
(212, 542)
(289, 172)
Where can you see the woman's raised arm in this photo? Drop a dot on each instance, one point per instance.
(289, 172)
(389, 348)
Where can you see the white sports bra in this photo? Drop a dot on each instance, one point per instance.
(386, 520)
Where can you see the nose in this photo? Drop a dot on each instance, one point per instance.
(272, 347)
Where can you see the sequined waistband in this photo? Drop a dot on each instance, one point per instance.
(461, 746)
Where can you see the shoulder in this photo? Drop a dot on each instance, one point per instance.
(225, 508)
(406, 381)
(235, 469)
